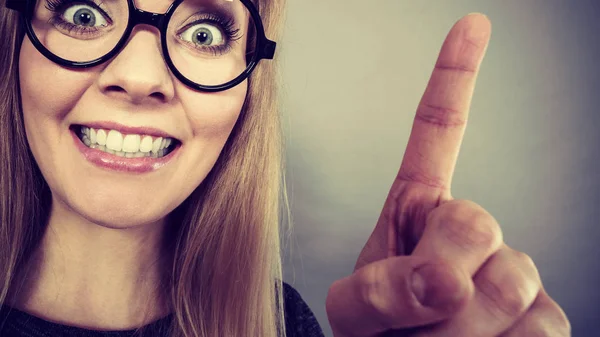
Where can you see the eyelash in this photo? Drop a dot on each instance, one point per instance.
(225, 24)
(58, 6)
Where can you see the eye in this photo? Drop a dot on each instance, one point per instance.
(203, 34)
(84, 15)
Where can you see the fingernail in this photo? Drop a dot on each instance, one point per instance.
(478, 14)
(437, 287)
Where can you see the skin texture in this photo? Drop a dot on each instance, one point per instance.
(97, 261)
(435, 266)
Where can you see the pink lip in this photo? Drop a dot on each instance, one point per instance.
(122, 164)
(127, 130)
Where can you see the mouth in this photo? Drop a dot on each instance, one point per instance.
(125, 145)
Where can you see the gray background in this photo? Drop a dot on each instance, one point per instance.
(353, 73)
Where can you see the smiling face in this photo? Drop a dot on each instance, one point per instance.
(134, 89)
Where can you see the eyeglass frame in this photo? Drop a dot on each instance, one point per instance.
(265, 48)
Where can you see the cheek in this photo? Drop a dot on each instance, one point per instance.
(48, 93)
(41, 98)
(213, 115)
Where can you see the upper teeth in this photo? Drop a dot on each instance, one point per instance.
(115, 141)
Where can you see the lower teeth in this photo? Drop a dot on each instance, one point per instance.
(159, 154)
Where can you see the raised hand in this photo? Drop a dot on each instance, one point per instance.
(435, 266)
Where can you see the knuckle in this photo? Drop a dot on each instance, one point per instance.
(504, 298)
(563, 326)
(374, 293)
(537, 330)
(472, 227)
(559, 321)
(526, 262)
(512, 304)
(523, 269)
(547, 328)
(544, 318)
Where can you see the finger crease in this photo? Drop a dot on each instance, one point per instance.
(422, 179)
(455, 68)
(440, 116)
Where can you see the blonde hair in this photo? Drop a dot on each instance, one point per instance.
(226, 277)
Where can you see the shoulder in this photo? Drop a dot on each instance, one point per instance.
(299, 319)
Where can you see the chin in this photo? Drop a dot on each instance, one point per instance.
(114, 215)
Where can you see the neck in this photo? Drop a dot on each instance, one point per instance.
(91, 276)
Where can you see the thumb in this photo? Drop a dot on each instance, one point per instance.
(396, 293)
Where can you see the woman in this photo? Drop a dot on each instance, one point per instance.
(141, 178)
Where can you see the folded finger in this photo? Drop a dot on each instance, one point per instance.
(505, 288)
(545, 318)
(396, 293)
(460, 232)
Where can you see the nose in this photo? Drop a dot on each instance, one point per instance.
(138, 74)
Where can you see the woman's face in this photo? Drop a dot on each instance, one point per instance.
(134, 89)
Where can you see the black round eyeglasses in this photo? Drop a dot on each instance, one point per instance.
(209, 45)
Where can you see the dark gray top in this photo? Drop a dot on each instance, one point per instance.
(299, 322)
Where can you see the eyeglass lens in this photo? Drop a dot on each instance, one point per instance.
(208, 41)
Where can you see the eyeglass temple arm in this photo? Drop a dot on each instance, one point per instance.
(18, 5)
(268, 50)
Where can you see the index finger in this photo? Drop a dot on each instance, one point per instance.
(441, 117)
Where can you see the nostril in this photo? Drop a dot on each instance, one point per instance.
(115, 88)
(158, 95)
(134, 95)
